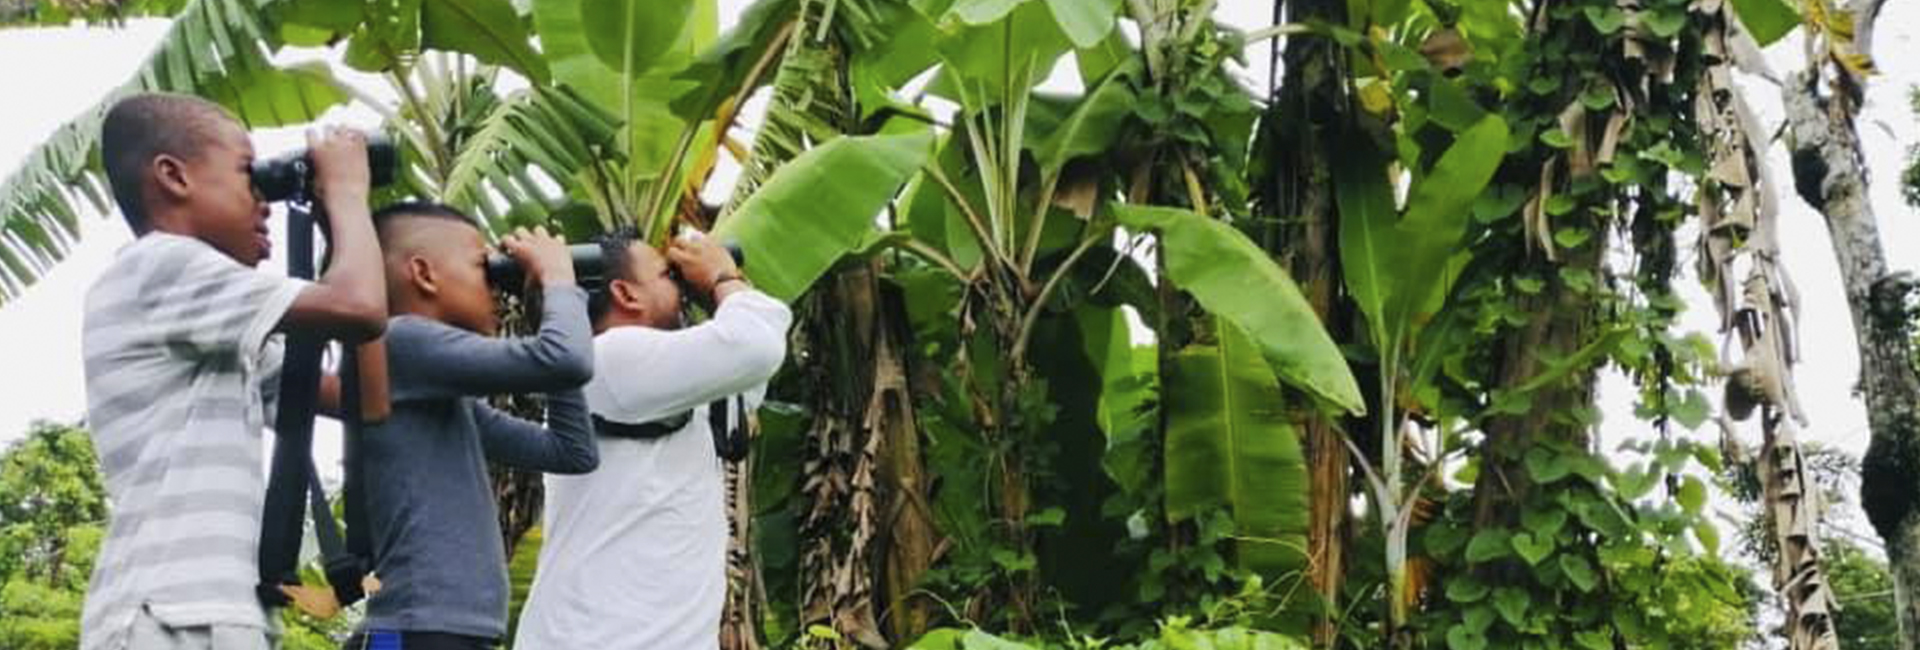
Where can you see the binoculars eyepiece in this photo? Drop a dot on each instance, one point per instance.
(589, 266)
(291, 175)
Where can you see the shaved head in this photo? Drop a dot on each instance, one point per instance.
(143, 126)
(418, 228)
(435, 259)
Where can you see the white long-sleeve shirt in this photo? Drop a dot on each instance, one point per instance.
(635, 552)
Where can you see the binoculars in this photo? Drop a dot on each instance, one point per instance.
(291, 175)
(589, 266)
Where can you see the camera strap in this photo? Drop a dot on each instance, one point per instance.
(729, 427)
(294, 484)
(725, 418)
(660, 428)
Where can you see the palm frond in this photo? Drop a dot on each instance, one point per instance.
(553, 130)
(216, 49)
(810, 103)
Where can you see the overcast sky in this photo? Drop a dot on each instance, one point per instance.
(53, 74)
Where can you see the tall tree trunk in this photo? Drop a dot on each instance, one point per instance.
(1830, 175)
(1308, 110)
(906, 516)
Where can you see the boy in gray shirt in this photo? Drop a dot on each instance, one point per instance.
(437, 551)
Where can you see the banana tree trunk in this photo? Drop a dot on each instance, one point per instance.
(1309, 104)
(1739, 215)
(1830, 175)
(841, 455)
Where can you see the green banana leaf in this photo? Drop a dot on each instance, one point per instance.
(1229, 445)
(820, 206)
(1235, 280)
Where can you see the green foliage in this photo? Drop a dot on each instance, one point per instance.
(1230, 446)
(1609, 568)
(1176, 633)
(53, 509)
(1767, 20)
(490, 30)
(1234, 280)
(1867, 619)
(821, 206)
(52, 516)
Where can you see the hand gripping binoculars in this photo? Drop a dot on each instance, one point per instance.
(290, 176)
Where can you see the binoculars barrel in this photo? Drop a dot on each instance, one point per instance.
(287, 176)
(589, 266)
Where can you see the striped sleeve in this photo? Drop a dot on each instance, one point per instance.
(204, 304)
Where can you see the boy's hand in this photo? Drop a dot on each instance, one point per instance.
(703, 263)
(339, 162)
(544, 256)
(318, 602)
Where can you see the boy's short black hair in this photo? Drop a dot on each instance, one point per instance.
(394, 243)
(146, 125)
(427, 209)
(616, 252)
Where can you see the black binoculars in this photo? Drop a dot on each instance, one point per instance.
(589, 266)
(291, 175)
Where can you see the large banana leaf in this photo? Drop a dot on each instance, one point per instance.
(1230, 446)
(489, 30)
(1233, 279)
(1394, 265)
(1129, 382)
(638, 89)
(820, 206)
(723, 67)
(1089, 129)
(215, 48)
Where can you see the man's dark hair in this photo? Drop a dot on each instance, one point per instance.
(616, 252)
(146, 125)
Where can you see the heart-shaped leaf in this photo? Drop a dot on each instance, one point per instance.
(1461, 638)
(1579, 572)
(1479, 617)
(1533, 548)
(1546, 466)
(1512, 604)
(1466, 589)
(1488, 544)
(1545, 521)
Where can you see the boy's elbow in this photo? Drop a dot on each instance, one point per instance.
(364, 321)
(574, 369)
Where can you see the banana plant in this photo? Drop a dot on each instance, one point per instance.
(1398, 267)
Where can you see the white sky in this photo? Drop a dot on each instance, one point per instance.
(55, 73)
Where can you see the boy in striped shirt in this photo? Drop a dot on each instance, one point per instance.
(181, 364)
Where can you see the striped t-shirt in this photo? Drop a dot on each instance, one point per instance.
(176, 340)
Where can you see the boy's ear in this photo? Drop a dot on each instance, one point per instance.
(170, 176)
(421, 276)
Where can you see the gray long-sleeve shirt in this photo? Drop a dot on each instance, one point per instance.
(435, 536)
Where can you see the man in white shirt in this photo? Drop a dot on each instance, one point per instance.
(635, 552)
